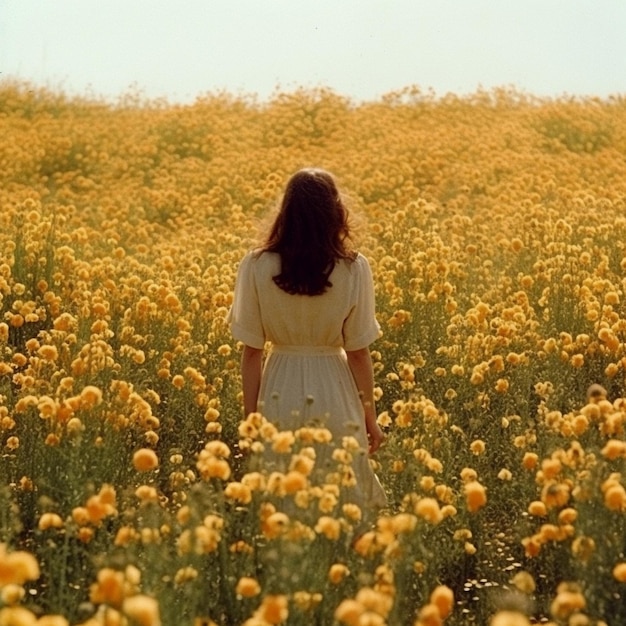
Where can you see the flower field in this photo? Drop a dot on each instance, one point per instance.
(130, 488)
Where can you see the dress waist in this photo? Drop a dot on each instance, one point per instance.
(308, 350)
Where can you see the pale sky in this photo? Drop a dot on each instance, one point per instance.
(181, 49)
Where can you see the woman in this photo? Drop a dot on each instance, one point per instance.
(312, 297)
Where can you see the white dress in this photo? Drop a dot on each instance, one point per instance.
(306, 377)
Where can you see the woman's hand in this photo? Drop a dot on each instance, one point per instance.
(375, 435)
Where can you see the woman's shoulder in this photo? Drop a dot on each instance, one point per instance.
(355, 268)
(258, 260)
(358, 261)
(257, 255)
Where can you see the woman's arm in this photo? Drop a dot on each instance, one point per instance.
(251, 368)
(360, 363)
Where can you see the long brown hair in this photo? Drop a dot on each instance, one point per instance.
(309, 233)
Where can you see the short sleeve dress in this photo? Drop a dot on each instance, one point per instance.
(306, 377)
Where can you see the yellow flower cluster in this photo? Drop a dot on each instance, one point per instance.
(495, 229)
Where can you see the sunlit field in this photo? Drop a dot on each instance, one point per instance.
(131, 491)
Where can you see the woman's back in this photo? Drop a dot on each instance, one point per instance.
(343, 316)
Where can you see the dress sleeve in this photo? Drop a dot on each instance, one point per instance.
(245, 313)
(361, 328)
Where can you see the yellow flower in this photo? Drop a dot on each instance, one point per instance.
(283, 441)
(477, 377)
(352, 512)
(537, 508)
(48, 352)
(349, 612)
(448, 510)
(450, 394)
(405, 522)
(614, 449)
(530, 460)
(146, 493)
(109, 588)
(532, 546)
(239, 492)
(247, 587)
(468, 475)
(97, 508)
(444, 494)
(17, 616)
(212, 414)
(276, 484)
(85, 535)
(145, 460)
(74, 426)
(549, 532)
(329, 527)
(17, 567)
(583, 548)
(615, 497)
(294, 481)
(611, 298)
(477, 446)
(502, 385)
(275, 525)
(255, 481)
(551, 468)
(555, 495)
(429, 615)
(569, 599)
(580, 424)
(274, 609)
(384, 419)
(577, 361)
(524, 582)
(568, 516)
(462, 534)
(427, 483)
(142, 610)
(50, 520)
(509, 618)
(211, 466)
(619, 572)
(515, 359)
(12, 594)
(224, 350)
(306, 601)
(374, 600)
(399, 318)
(443, 598)
(505, 474)
(475, 496)
(205, 540)
(337, 573)
(328, 501)
(428, 509)
(12, 443)
(125, 536)
(365, 543)
(185, 574)
(90, 397)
